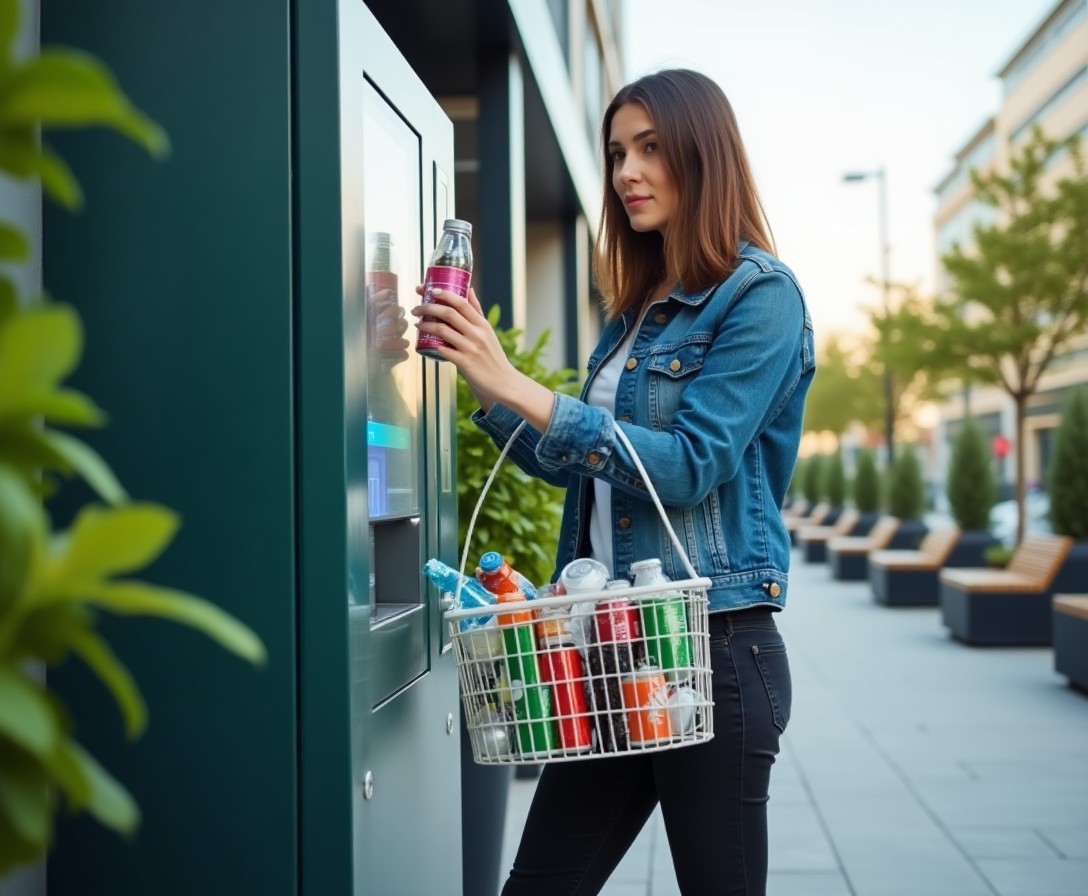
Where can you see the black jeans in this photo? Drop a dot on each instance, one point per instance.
(713, 796)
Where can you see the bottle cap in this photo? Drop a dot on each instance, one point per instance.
(491, 561)
(380, 236)
(617, 585)
(458, 226)
(639, 565)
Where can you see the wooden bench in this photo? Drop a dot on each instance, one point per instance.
(813, 539)
(848, 555)
(1070, 621)
(910, 578)
(1005, 606)
(817, 516)
(797, 509)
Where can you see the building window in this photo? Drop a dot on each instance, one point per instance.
(561, 21)
(592, 83)
(1046, 42)
(1079, 80)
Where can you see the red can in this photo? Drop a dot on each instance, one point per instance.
(616, 620)
(561, 666)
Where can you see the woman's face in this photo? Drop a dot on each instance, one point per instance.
(639, 175)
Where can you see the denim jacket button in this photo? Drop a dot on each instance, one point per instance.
(774, 589)
(625, 522)
(593, 459)
(661, 318)
(674, 365)
(631, 364)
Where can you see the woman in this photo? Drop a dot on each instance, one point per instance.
(704, 363)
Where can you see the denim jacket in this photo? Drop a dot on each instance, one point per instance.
(711, 397)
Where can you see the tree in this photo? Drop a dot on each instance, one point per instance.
(909, 341)
(845, 392)
(1019, 292)
(1068, 475)
(866, 483)
(971, 487)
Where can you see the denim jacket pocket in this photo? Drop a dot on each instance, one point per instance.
(670, 368)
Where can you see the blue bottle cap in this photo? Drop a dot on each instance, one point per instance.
(491, 561)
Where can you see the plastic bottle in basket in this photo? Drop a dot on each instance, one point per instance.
(583, 576)
(664, 623)
(499, 577)
(473, 594)
(480, 633)
(562, 667)
(534, 727)
(613, 653)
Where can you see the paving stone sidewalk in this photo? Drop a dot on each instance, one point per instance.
(913, 764)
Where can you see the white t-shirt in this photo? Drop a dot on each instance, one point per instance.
(602, 394)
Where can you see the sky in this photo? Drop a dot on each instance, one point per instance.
(821, 89)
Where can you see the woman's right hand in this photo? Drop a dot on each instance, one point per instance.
(471, 345)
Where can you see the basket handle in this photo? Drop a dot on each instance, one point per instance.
(622, 436)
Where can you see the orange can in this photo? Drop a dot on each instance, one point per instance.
(646, 701)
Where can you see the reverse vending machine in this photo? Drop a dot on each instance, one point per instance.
(245, 311)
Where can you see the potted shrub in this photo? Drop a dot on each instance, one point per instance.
(1068, 489)
(907, 498)
(972, 492)
(867, 488)
(812, 485)
(834, 485)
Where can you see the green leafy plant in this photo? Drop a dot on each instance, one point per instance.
(53, 584)
(906, 490)
(998, 555)
(866, 483)
(520, 515)
(971, 487)
(834, 479)
(813, 486)
(1068, 475)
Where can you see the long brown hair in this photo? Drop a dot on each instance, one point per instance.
(718, 202)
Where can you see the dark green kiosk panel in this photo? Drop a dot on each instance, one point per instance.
(240, 302)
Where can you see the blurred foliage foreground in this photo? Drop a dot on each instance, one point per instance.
(52, 583)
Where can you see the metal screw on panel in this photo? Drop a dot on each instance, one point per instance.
(449, 723)
(368, 785)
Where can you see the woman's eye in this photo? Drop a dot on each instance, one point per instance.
(616, 155)
(650, 147)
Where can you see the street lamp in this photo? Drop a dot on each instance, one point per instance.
(885, 285)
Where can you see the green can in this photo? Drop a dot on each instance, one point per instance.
(534, 728)
(664, 623)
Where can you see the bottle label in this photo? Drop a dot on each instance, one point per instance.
(455, 280)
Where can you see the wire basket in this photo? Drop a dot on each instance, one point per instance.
(585, 675)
